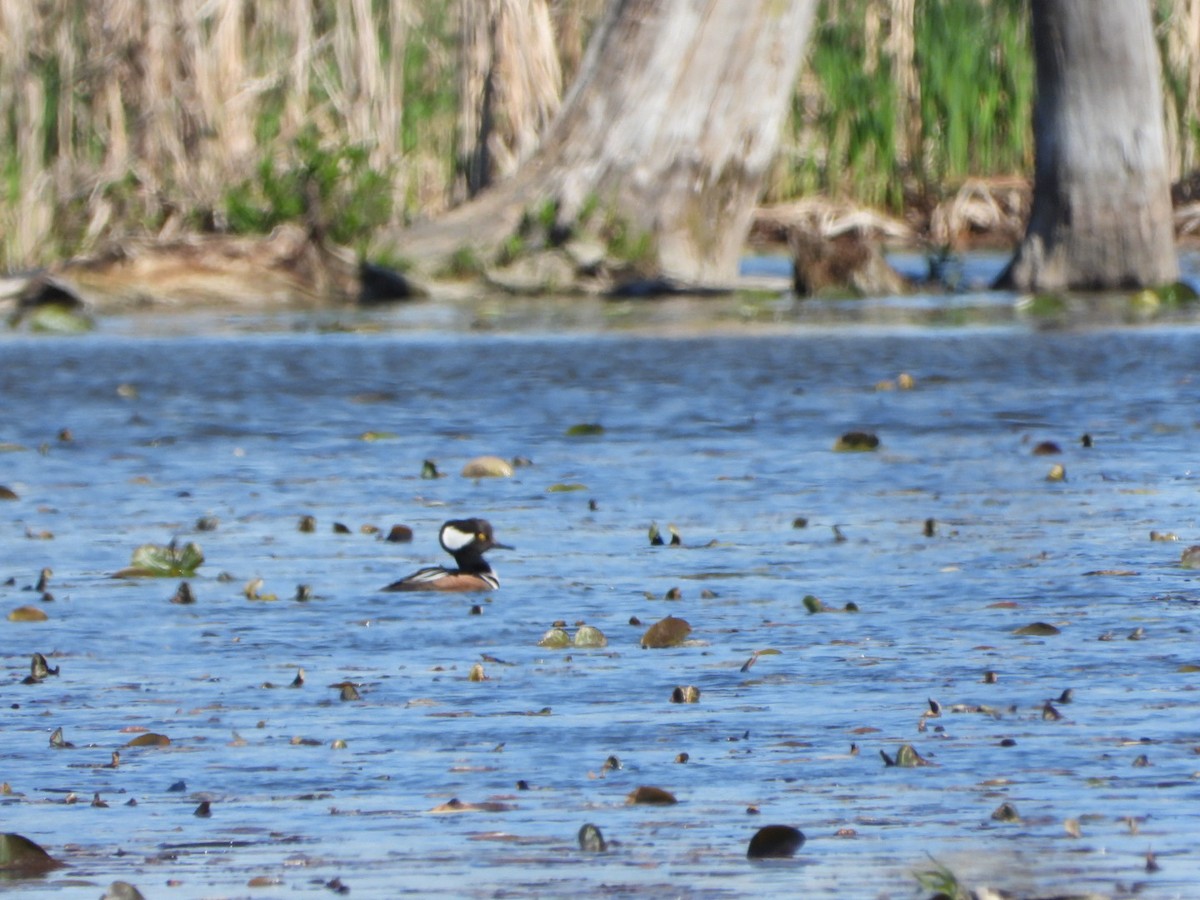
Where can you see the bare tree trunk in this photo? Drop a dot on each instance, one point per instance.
(668, 130)
(1101, 214)
(511, 85)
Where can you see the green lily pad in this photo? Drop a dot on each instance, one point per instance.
(585, 429)
(668, 632)
(562, 487)
(371, 436)
(159, 561)
(19, 854)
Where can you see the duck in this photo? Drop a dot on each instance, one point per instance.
(466, 540)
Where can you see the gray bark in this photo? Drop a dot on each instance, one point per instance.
(670, 128)
(1101, 214)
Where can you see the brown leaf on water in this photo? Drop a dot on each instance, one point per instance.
(650, 795)
(668, 632)
(1112, 573)
(457, 806)
(487, 467)
(28, 614)
(150, 739)
(1071, 827)
(7, 493)
(1006, 812)
(1037, 629)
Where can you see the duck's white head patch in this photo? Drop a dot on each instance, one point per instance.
(455, 539)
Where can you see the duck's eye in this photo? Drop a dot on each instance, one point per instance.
(480, 536)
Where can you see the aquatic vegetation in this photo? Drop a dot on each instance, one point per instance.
(686, 694)
(906, 758)
(588, 636)
(585, 429)
(1038, 629)
(943, 883)
(1190, 558)
(150, 739)
(163, 561)
(856, 442)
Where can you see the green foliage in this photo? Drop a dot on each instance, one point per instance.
(464, 263)
(159, 561)
(334, 189)
(855, 134)
(942, 883)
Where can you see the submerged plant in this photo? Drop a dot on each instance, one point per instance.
(159, 561)
(942, 883)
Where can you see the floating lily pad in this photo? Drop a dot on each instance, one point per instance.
(856, 442)
(150, 739)
(668, 632)
(371, 436)
(566, 487)
(487, 467)
(159, 561)
(650, 795)
(590, 636)
(1038, 629)
(27, 614)
(775, 842)
(585, 429)
(19, 854)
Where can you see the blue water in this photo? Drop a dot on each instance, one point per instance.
(722, 425)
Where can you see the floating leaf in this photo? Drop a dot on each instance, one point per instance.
(650, 795)
(150, 739)
(775, 842)
(1038, 629)
(399, 534)
(585, 429)
(655, 536)
(686, 694)
(429, 469)
(856, 442)
(122, 890)
(590, 636)
(1190, 558)
(555, 639)
(159, 561)
(27, 614)
(1006, 812)
(371, 436)
(668, 632)
(567, 487)
(19, 854)
(906, 758)
(487, 467)
(7, 493)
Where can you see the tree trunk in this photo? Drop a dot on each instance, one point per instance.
(1101, 214)
(510, 87)
(662, 141)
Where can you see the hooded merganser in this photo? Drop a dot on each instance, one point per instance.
(466, 540)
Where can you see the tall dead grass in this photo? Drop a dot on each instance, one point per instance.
(126, 115)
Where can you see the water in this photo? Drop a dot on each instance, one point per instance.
(720, 422)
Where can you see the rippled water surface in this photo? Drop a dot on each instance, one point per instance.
(725, 432)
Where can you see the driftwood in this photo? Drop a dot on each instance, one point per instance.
(287, 268)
